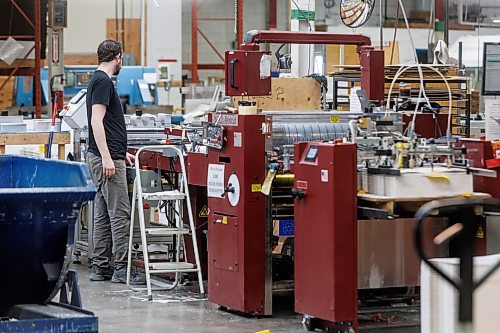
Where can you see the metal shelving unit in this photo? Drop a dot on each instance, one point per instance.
(435, 89)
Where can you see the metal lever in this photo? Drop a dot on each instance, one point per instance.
(228, 189)
(465, 217)
(298, 194)
(231, 73)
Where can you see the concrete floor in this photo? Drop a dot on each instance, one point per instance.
(121, 310)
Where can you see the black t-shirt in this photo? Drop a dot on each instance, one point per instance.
(102, 91)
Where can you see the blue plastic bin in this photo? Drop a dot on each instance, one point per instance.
(39, 205)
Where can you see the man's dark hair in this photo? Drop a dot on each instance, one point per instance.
(108, 50)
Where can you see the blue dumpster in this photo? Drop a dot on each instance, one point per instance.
(39, 205)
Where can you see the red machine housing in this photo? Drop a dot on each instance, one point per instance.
(428, 125)
(241, 81)
(326, 260)
(243, 69)
(480, 154)
(236, 234)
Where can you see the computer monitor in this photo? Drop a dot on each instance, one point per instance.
(491, 69)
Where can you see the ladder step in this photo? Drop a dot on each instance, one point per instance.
(162, 271)
(172, 266)
(165, 195)
(166, 231)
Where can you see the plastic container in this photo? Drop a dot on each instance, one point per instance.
(39, 204)
(43, 125)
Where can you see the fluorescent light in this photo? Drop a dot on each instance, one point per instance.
(496, 19)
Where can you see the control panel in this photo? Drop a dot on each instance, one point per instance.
(213, 135)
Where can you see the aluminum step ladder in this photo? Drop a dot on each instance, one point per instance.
(178, 197)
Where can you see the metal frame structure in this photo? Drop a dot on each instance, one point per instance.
(33, 71)
(195, 30)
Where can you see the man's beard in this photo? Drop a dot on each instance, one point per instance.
(117, 70)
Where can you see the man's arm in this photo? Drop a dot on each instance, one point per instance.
(98, 112)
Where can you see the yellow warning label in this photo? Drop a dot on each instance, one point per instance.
(334, 119)
(203, 211)
(224, 220)
(480, 233)
(256, 187)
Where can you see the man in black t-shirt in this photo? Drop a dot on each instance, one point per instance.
(107, 155)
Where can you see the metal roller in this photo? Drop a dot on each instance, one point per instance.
(284, 180)
(289, 133)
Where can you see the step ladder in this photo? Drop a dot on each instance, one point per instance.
(178, 197)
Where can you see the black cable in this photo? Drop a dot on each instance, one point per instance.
(323, 82)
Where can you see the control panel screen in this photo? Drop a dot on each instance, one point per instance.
(311, 154)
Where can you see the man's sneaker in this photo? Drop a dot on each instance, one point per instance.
(100, 274)
(136, 278)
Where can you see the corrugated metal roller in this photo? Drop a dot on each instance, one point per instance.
(289, 133)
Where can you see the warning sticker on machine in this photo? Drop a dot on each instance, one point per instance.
(324, 176)
(256, 187)
(302, 184)
(203, 211)
(215, 181)
(237, 139)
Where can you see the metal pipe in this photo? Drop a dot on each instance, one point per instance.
(381, 26)
(446, 22)
(460, 57)
(212, 46)
(17, 36)
(116, 19)
(204, 66)
(194, 41)
(294, 37)
(23, 14)
(143, 32)
(239, 22)
(273, 15)
(38, 60)
(123, 26)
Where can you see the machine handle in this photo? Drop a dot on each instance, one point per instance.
(298, 194)
(228, 189)
(465, 216)
(231, 73)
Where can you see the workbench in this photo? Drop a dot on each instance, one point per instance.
(36, 138)
(390, 204)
